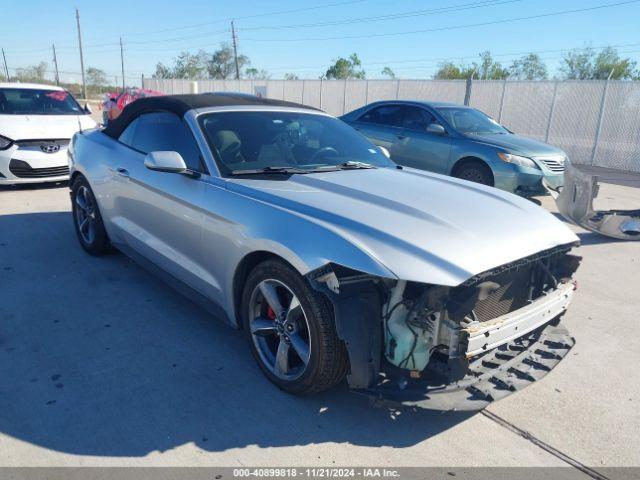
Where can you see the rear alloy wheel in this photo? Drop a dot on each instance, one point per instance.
(87, 219)
(291, 330)
(475, 172)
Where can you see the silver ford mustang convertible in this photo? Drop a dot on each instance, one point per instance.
(421, 289)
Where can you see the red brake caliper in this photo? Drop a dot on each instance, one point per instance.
(271, 315)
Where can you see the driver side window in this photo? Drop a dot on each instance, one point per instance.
(163, 131)
(417, 119)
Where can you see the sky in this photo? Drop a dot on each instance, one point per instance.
(303, 37)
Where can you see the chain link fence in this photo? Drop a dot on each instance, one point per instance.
(595, 122)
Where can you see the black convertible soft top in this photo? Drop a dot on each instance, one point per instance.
(181, 104)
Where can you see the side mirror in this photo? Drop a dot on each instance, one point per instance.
(87, 108)
(384, 151)
(436, 129)
(169, 162)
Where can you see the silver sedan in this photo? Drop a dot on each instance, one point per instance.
(419, 288)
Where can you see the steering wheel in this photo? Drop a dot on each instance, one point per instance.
(324, 151)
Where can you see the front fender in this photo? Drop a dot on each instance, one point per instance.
(307, 244)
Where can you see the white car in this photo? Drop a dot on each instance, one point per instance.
(36, 124)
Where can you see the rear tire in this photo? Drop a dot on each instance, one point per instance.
(87, 219)
(474, 171)
(292, 336)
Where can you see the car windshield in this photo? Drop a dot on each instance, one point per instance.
(29, 101)
(471, 121)
(298, 142)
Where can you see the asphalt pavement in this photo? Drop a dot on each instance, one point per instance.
(103, 364)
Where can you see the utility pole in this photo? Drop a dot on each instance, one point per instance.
(84, 85)
(6, 69)
(55, 64)
(235, 50)
(122, 63)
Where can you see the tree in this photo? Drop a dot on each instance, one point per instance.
(387, 72)
(255, 74)
(162, 71)
(203, 65)
(486, 69)
(451, 71)
(608, 62)
(489, 69)
(291, 76)
(222, 63)
(529, 67)
(96, 77)
(344, 68)
(578, 64)
(584, 64)
(193, 67)
(34, 73)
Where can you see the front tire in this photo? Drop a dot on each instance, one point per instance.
(291, 330)
(87, 219)
(476, 172)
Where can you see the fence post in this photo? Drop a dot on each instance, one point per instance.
(603, 103)
(504, 89)
(551, 112)
(398, 89)
(366, 93)
(467, 93)
(320, 94)
(302, 99)
(344, 97)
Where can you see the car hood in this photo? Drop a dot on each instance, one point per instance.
(518, 144)
(35, 127)
(422, 227)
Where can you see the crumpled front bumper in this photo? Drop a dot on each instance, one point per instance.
(575, 203)
(493, 376)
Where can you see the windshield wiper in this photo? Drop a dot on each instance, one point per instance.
(355, 165)
(257, 171)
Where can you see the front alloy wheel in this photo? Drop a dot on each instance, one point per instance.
(280, 334)
(291, 330)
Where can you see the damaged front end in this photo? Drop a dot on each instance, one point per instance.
(460, 347)
(575, 203)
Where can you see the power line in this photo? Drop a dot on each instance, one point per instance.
(442, 10)
(110, 74)
(545, 58)
(394, 16)
(257, 15)
(451, 27)
(465, 57)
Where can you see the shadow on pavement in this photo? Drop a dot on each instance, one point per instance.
(33, 186)
(98, 357)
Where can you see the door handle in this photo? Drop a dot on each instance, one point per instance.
(123, 172)
(401, 137)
